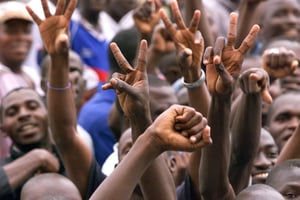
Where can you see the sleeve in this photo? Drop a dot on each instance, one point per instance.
(6, 191)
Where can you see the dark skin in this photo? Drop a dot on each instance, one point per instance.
(246, 126)
(133, 97)
(187, 39)
(61, 106)
(160, 136)
(223, 62)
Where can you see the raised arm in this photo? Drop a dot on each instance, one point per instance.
(159, 137)
(76, 156)
(133, 94)
(223, 63)
(246, 126)
(190, 45)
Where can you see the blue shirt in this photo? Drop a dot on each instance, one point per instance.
(93, 118)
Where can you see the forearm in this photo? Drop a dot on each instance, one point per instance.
(199, 99)
(157, 172)
(61, 106)
(246, 130)
(215, 158)
(17, 174)
(121, 183)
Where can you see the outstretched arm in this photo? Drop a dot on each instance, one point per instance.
(190, 45)
(133, 94)
(246, 126)
(223, 63)
(75, 154)
(159, 137)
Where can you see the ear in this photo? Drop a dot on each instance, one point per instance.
(172, 164)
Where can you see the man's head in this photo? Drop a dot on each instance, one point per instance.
(265, 159)
(281, 18)
(283, 117)
(259, 191)
(49, 186)
(162, 95)
(75, 75)
(285, 178)
(15, 33)
(23, 117)
(118, 8)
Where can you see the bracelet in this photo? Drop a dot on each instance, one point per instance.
(197, 83)
(58, 88)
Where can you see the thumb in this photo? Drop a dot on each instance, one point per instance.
(122, 86)
(267, 96)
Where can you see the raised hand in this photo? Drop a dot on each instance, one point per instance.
(55, 27)
(279, 62)
(186, 38)
(219, 79)
(255, 80)
(232, 57)
(181, 128)
(131, 87)
(146, 17)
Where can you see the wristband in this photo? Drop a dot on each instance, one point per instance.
(197, 83)
(58, 88)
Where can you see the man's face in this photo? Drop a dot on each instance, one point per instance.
(76, 76)
(15, 41)
(287, 183)
(284, 118)
(282, 18)
(265, 159)
(24, 118)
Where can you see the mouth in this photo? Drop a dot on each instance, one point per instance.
(263, 175)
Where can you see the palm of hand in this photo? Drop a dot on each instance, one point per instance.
(232, 60)
(185, 39)
(215, 83)
(146, 26)
(51, 28)
(131, 102)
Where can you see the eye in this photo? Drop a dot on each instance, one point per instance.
(33, 105)
(10, 112)
(283, 117)
(290, 195)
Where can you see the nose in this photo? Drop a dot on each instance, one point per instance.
(24, 114)
(291, 19)
(293, 123)
(261, 162)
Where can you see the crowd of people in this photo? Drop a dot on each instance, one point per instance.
(149, 99)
